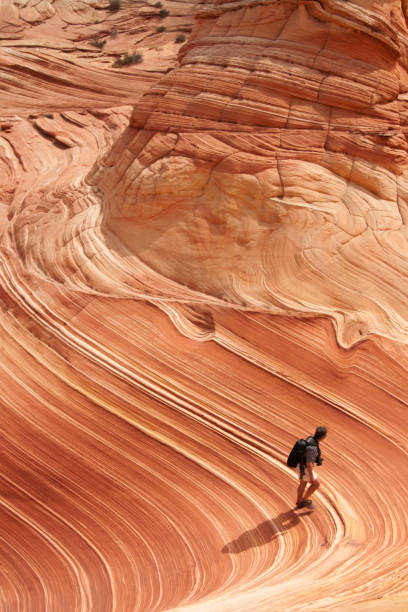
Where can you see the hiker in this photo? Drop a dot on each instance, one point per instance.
(304, 455)
(305, 468)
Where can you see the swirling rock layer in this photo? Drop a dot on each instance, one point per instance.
(143, 470)
(273, 159)
(154, 221)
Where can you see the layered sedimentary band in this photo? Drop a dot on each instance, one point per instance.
(201, 261)
(145, 471)
(274, 162)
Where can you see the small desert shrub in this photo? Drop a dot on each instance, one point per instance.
(180, 38)
(97, 43)
(128, 60)
(161, 29)
(158, 4)
(114, 5)
(49, 115)
(164, 13)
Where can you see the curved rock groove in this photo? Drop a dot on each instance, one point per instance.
(202, 257)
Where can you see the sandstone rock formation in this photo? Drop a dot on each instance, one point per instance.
(273, 161)
(202, 257)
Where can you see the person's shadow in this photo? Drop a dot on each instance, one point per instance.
(265, 532)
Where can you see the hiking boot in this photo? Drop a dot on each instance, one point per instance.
(305, 503)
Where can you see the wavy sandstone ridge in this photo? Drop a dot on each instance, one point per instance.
(291, 146)
(154, 221)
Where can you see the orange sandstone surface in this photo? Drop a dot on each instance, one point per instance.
(203, 255)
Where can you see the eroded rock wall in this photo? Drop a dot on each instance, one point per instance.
(273, 160)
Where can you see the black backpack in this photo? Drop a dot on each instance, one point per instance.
(298, 453)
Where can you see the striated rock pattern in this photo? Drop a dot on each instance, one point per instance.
(199, 263)
(273, 160)
(63, 58)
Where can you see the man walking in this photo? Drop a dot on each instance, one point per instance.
(305, 469)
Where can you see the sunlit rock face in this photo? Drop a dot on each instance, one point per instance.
(269, 169)
(144, 469)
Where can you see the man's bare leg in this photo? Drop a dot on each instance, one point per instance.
(301, 490)
(311, 489)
